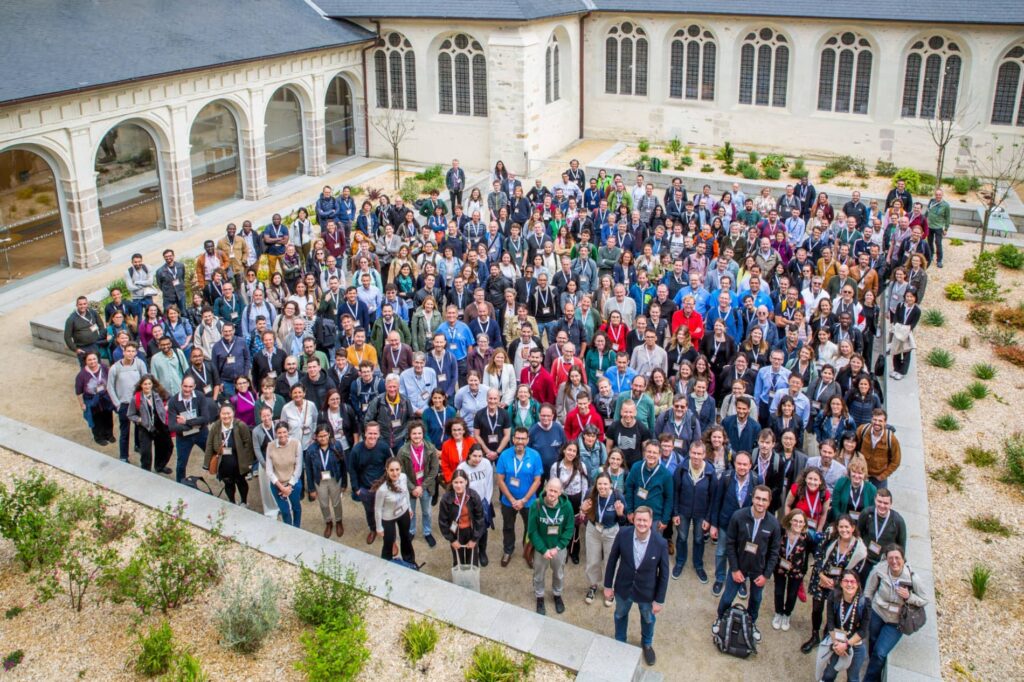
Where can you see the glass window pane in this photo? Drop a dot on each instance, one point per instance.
(844, 81)
(338, 121)
(950, 87)
(444, 83)
(911, 82)
(746, 74)
(641, 66)
(626, 67)
(708, 79)
(380, 73)
(214, 157)
(764, 74)
(479, 85)
(692, 68)
(410, 81)
(781, 76)
(397, 94)
(675, 71)
(283, 137)
(611, 65)
(826, 79)
(556, 74)
(128, 184)
(930, 87)
(462, 105)
(547, 75)
(863, 85)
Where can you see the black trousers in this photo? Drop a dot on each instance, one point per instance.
(786, 589)
(232, 478)
(398, 527)
(158, 440)
(102, 422)
(455, 199)
(901, 362)
(508, 526)
(465, 554)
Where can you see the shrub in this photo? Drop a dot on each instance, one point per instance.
(82, 562)
(674, 146)
(356, 190)
(885, 169)
(956, 241)
(955, 291)
(336, 650)
(13, 612)
(952, 475)
(419, 637)
(826, 174)
(773, 172)
(1009, 256)
(979, 316)
(248, 611)
(939, 357)
(989, 523)
(27, 520)
(1011, 353)
(981, 279)
(933, 317)
(330, 592)
(925, 188)
(702, 155)
(979, 456)
(750, 172)
(156, 650)
(1009, 316)
(435, 172)
(168, 568)
(1014, 449)
(644, 145)
(848, 164)
(707, 168)
(111, 527)
(726, 153)
(685, 161)
(980, 577)
(984, 371)
(491, 663)
(961, 400)
(410, 190)
(13, 659)
(947, 422)
(798, 171)
(978, 390)
(186, 669)
(911, 177)
(965, 184)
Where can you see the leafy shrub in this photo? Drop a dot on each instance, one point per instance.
(752, 157)
(955, 291)
(939, 357)
(1009, 256)
(156, 650)
(989, 523)
(799, 170)
(492, 663)
(27, 520)
(643, 145)
(419, 637)
(925, 188)
(947, 422)
(981, 278)
(885, 169)
(13, 659)
(984, 371)
(750, 172)
(1011, 353)
(674, 146)
(410, 190)
(848, 164)
(435, 172)
(977, 390)
(726, 153)
(168, 568)
(773, 172)
(336, 650)
(702, 155)
(909, 176)
(330, 592)
(979, 316)
(1014, 449)
(82, 562)
(248, 611)
(13, 612)
(707, 168)
(186, 668)
(965, 184)
(956, 241)
(684, 161)
(356, 190)
(826, 174)
(933, 317)
(952, 475)
(961, 400)
(980, 577)
(1011, 317)
(979, 456)
(112, 527)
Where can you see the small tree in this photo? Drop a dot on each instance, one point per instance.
(943, 130)
(393, 125)
(999, 171)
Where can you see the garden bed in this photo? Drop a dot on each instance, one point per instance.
(100, 641)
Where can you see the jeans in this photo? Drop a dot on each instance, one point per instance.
(424, 503)
(547, 329)
(682, 531)
(883, 638)
(786, 588)
(622, 607)
(859, 653)
(290, 506)
(183, 448)
(508, 526)
(732, 588)
(368, 499)
(721, 563)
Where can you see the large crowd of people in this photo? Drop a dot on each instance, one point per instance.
(614, 374)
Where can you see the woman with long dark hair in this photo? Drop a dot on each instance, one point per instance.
(392, 510)
(571, 471)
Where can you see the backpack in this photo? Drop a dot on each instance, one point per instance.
(736, 633)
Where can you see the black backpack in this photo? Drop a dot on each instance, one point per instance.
(736, 633)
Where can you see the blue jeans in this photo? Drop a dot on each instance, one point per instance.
(682, 531)
(291, 506)
(732, 588)
(547, 329)
(183, 447)
(883, 638)
(622, 607)
(721, 563)
(424, 503)
(860, 652)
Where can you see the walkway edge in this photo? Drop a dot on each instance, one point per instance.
(593, 657)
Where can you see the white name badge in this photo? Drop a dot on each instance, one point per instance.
(641, 493)
(396, 423)
(207, 389)
(230, 360)
(227, 451)
(514, 482)
(874, 547)
(93, 328)
(552, 530)
(493, 440)
(325, 476)
(441, 377)
(750, 547)
(545, 311)
(453, 346)
(785, 564)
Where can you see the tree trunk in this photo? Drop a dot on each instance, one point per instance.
(394, 148)
(939, 166)
(984, 226)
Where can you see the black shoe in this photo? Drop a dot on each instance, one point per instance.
(649, 657)
(430, 540)
(716, 589)
(808, 646)
(484, 560)
(559, 604)
(702, 576)
(165, 470)
(540, 606)
(576, 560)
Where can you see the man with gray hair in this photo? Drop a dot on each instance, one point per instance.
(550, 530)
(392, 411)
(418, 382)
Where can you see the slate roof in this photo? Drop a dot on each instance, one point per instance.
(502, 10)
(54, 46)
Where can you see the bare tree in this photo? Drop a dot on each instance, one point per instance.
(943, 130)
(1000, 171)
(393, 125)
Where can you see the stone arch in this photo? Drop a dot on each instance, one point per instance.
(217, 159)
(287, 107)
(344, 131)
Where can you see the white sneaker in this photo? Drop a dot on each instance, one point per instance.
(715, 628)
(757, 634)
(897, 376)
(777, 621)
(785, 623)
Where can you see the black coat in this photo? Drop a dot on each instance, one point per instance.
(448, 510)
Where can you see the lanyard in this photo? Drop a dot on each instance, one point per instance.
(417, 457)
(461, 503)
(645, 481)
(228, 349)
(492, 424)
(879, 531)
(841, 558)
(855, 502)
(790, 546)
(324, 456)
(844, 617)
(601, 510)
(548, 520)
(515, 469)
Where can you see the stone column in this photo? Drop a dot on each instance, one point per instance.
(359, 115)
(506, 101)
(314, 141)
(82, 202)
(254, 150)
(176, 174)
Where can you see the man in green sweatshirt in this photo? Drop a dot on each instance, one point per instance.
(938, 222)
(550, 531)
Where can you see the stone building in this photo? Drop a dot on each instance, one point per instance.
(143, 119)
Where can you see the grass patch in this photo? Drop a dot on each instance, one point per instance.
(1014, 449)
(980, 577)
(939, 357)
(13, 612)
(990, 524)
(156, 651)
(984, 371)
(491, 663)
(952, 475)
(979, 456)
(933, 318)
(978, 390)
(947, 422)
(956, 241)
(961, 400)
(419, 637)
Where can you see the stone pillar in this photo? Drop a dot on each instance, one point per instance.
(254, 150)
(359, 115)
(176, 174)
(314, 141)
(82, 202)
(506, 106)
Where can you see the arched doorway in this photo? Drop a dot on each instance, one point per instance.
(31, 228)
(214, 157)
(339, 120)
(128, 184)
(283, 138)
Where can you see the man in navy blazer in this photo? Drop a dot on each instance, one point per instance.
(741, 429)
(638, 568)
(733, 491)
(694, 488)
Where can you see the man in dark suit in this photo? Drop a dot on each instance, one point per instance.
(267, 363)
(638, 568)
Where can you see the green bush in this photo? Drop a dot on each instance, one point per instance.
(984, 371)
(492, 663)
(674, 146)
(773, 172)
(336, 650)
(947, 422)
(752, 157)
(750, 172)
(965, 184)
(644, 145)
(707, 168)
(726, 154)
(1014, 449)
(684, 161)
(848, 164)
(1009, 256)
(168, 568)
(979, 456)
(961, 400)
(980, 577)
(156, 650)
(933, 317)
(979, 315)
(82, 562)
(826, 174)
(13, 659)
(799, 170)
(248, 611)
(956, 241)
(419, 637)
(981, 279)
(939, 357)
(29, 522)
(435, 172)
(410, 190)
(978, 390)
(331, 592)
(911, 177)
(885, 169)
(955, 291)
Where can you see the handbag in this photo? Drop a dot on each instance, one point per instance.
(912, 617)
(466, 575)
(215, 460)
